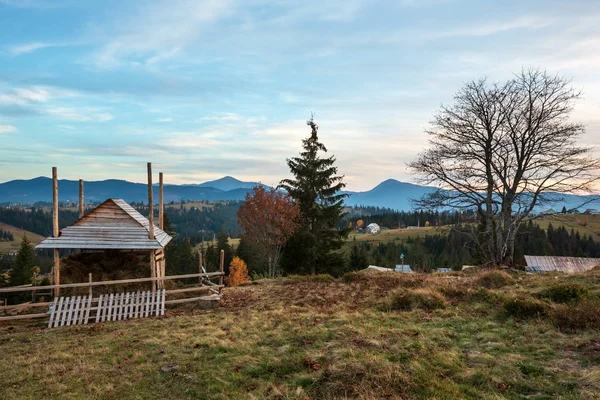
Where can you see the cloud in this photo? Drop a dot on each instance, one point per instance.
(156, 33)
(7, 129)
(82, 114)
(164, 120)
(26, 48)
(491, 28)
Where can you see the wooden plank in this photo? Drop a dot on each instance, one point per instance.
(87, 310)
(74, 308)
(99, 309)
(25, 316)
(109, 306)
(107, 283)
(193, 289)
(178, 301)
(121, 307)
(65, 311)
(162, 303)
(53, 310)
(147, 304)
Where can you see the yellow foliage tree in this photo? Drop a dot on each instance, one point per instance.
(238, 272)
(426, 223)
(360, 223)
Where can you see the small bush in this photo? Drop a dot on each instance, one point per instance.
(524, 307)
(424, 299)
(495, 279)
(454, 292)
(565, 293)
(354, 276)
(238, 272)
(585, 315)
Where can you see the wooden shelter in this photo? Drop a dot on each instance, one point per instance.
(113, 225)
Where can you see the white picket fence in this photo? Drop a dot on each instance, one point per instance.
(77, 310)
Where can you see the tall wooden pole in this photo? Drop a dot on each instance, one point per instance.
(161, 202)
(81, 206)
(151, 226)
(221, 268)
(150, 203)
(56, 266)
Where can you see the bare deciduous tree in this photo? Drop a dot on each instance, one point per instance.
(504, 149)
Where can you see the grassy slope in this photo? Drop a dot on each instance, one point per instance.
(18, 234)
(298, 339)
(582, 223)
(398, 234)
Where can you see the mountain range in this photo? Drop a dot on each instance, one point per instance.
(390, 193)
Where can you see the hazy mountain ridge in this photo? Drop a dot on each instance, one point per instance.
(390, 193)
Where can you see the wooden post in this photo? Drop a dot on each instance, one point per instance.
(150, 204)
(200, 268)
(90, 280)
(161, 202)
(221, 268)
(153, 269)
(81, 204)
(55, 233)
(34, 283)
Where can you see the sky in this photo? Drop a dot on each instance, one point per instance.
(204, 89)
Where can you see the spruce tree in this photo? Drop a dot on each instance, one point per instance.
(22, 271)
(316, 187)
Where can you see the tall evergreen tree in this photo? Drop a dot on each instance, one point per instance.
(223, 244)
(316, 187)
(22, 271)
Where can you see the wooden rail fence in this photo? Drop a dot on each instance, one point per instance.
(76, 310)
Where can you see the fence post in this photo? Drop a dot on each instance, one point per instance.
(34, 285)
(200, 268)
(221, 268)
(90, 280)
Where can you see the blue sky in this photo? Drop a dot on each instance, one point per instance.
(210, 88)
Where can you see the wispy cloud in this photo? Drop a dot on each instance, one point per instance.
(7, 129)
(491, 28)
(25, 48)
(156, 33)
(82, 114)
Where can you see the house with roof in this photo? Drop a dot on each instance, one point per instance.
(372, 228)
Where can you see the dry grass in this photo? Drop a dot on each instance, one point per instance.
(318, 339)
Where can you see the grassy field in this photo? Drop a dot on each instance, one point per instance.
(583, 223)
(232, 242)
(18, 235)
(371, 336)
(398, 234)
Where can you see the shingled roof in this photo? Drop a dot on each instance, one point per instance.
(114, 224)
(564, 264)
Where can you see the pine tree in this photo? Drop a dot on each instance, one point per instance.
(358, 257)
(22, 271)
(316, 187)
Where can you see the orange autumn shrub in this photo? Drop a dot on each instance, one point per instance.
(238, 272)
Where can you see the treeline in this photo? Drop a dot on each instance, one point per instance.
(458, 248)
(197, 224)
(6, 236)
(402, 219)
(36, 220)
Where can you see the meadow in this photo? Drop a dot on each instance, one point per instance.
(18, 237)
(476, 335)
